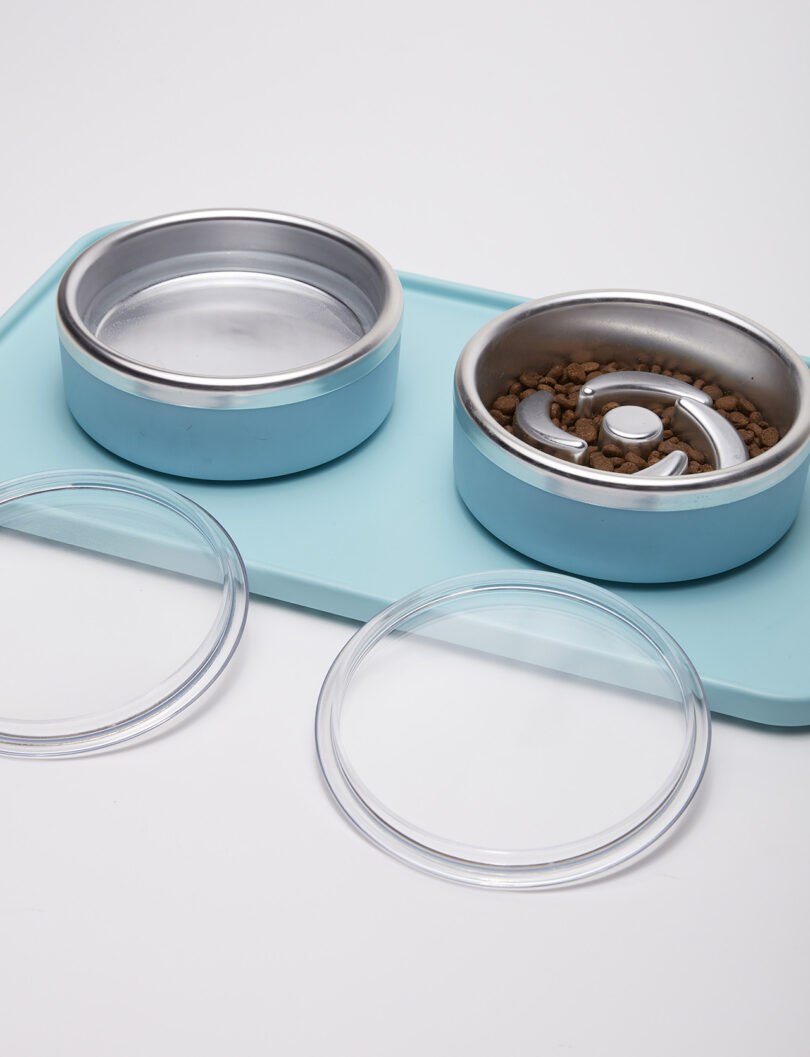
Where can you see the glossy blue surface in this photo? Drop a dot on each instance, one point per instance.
(353, 535)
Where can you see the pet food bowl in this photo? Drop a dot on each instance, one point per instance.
(534, 489)
(229, 345)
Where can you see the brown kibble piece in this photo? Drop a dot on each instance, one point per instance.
(556, 410)
(714, 391)
(687, 378)
(746, 435)
(609, 407)
(599, 461)
(612, 450)
(738, 419)
(627, 467)
(555, 372)
(754, 450)
(591, 375)
(666, 415)
(726, 403)
(576, 373)
(530, 379)
(666, 447)
(591, 365)
(656, 368)
(585, 428)
(527, 392)
(756, 416)
(769, 436)
(568, 417)
(566, 400)
(636, 459)
(502, 420)
(505, 404)
(699, 383)
(515, 389)
(745, 405)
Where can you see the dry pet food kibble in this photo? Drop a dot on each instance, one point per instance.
(564, 380)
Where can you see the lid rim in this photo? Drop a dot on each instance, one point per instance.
(528, 868)
(216, 650)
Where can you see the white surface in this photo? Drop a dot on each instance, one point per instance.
(199, 893)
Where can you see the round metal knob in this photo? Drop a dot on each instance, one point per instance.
(632, 428)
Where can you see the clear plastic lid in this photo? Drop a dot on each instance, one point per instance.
(518, 730)
(122, 603)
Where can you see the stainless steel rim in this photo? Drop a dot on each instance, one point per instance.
(600, 488)
(262, 390)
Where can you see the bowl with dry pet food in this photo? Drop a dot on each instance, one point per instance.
(631, 436)
(229, 344)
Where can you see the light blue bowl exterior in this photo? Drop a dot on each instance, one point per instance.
(231, 444)
(632, 546)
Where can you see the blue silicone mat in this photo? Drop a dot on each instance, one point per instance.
(352, 536)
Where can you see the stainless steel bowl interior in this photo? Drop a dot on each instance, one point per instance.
(672, 336)
(671, 331)
(228, 296)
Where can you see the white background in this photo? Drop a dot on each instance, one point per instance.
(199, 893)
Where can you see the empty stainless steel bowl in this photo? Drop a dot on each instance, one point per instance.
(229, 344)
(635, 528)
